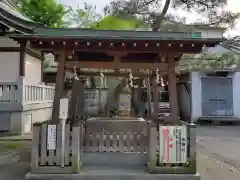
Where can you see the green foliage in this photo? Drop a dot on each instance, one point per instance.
(115, 23)
(87, 17)
(82, 17)
(209, 61)
(47, 12)
(156, 12)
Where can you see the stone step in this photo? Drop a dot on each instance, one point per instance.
(113, 173)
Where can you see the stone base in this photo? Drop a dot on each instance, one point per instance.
(218, 120)
(113, 173)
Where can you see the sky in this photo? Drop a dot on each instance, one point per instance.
(233, 5)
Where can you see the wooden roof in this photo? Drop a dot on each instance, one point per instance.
(10, 17)
(124, 40)
(80, 33)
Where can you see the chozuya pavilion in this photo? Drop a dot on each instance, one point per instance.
(125, 146)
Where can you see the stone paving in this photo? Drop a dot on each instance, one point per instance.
(217, 147)
(220, 142)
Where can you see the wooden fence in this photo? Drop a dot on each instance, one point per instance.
(154, 164)
(107, 138)
(116, 136)
(49, 161)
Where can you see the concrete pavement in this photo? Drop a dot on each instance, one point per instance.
(220, 142)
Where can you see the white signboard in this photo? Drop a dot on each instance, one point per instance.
(63, 110)
(51, 137)
(173, 144)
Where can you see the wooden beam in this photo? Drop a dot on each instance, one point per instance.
(22, 59)
(58, 87)
(114, 74)
(172, 88)
(112, 65)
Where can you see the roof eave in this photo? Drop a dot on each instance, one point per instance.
(25, 23)
(17, 27)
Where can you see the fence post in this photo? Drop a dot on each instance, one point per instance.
(152, 161)
(193, 155)
(77, 144)
(35, 146)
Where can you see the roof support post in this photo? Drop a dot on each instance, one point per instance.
(58, 86)
(172, 88)
(42, 65)
(149, 96)
(74, 100)
(80, 100)
(156, 98)
(22, 59)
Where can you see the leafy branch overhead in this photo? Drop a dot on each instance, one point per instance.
(151, 11)
(209, 61)
(47, 12)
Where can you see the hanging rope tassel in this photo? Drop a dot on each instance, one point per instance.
(102, 78)
(130, 78)
(75, 73)
(157, 76)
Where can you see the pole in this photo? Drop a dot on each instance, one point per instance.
(149, 96)
(63, 122)
(63, 115)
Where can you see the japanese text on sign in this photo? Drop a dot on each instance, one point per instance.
(173, 144)
(51, 137)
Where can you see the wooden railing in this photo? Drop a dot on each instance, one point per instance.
(36, 93)
(25, 93)
(134, 139)
(116, 136)
(9, 92)
(49, 161)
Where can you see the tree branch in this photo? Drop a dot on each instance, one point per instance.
(159, 19)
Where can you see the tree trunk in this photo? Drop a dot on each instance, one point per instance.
(159, 18)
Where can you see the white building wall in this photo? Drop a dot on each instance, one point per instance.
(32, 69)
(236, 94)
(9, 61)
(196, 96)
(9, 67)
(7, 42)
(210, 33)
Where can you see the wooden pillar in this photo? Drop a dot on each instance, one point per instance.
(149, 96)
(22, 59)
(172, 87)
(156, 98)
(58, 86)
(42, 65)
(74, 100)
(81, 100)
